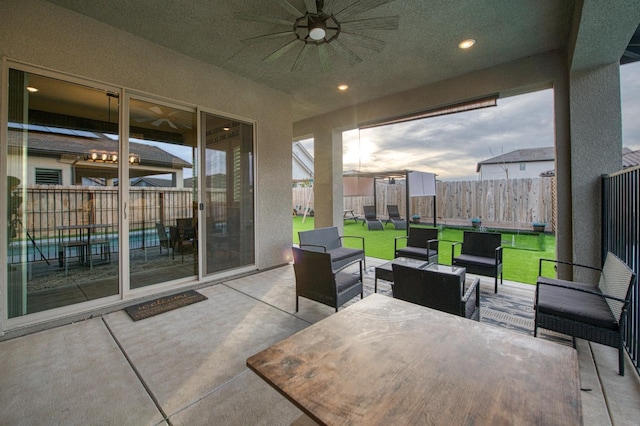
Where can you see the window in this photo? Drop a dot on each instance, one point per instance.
(523, 167)
(48, 177)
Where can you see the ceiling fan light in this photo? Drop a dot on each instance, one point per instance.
(317, 30)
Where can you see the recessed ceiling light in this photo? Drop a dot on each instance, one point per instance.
(343, 87)
(31, 89)
(465, 44)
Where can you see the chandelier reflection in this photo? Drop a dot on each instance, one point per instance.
(109, 157)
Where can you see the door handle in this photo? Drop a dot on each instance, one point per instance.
(125, 211)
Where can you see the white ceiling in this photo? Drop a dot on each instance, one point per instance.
(421, 51)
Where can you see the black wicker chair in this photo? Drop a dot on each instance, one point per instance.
(590, 312)
(481, 254)
(327, 240)
(437, 290)
(316, 279)
(422, 243)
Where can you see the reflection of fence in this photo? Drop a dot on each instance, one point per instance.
(47, 207)
(507, 203)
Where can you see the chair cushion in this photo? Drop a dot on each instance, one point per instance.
(470, 259)
(415, 252)
(345, 280)
(576, 305)
(342, 253)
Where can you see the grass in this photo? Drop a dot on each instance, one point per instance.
(521, 251)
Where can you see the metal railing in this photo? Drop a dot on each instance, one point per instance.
(620, 235)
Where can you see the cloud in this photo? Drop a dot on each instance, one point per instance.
(452, 145)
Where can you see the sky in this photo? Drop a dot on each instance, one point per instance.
(452, 145)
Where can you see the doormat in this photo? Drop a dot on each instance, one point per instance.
(163, 304)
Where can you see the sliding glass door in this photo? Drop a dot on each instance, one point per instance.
(163, 193)
(228, 193)
(62, 202)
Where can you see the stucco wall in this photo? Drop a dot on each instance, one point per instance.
(39, 33)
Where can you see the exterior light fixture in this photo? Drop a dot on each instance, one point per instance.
(109, 157)
(343, 87)
(465, 44)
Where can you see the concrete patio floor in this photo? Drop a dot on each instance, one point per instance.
(187, 366)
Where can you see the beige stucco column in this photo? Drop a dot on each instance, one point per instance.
(595, 127)
(327, 185)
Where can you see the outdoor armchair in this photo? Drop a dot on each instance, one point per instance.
(395, 218)
(421, 243)
(480, 253)
(317, 280)
(327, 240)
(592, 312)
(437, 290)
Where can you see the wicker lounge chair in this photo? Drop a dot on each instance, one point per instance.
(395, 218)
(373, 223)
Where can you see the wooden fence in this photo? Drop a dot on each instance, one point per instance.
(505, 203)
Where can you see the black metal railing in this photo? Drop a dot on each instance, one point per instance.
(620, 235)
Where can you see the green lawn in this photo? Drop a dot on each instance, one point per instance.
(521, 251)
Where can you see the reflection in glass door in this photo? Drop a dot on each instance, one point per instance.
(61, 196)
(163, 193)
(228, 194)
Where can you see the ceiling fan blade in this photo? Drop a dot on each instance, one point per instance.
(311, 6)
(268, 37)
(278, 53)
(259, 18)
(363, 41)
(345, 52)
(302, 56)
(382, 23)
(323, 55)
(156, 110)
(328, 6)
(290, 8)
(360, 7)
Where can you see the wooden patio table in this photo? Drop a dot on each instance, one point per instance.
(386, 361)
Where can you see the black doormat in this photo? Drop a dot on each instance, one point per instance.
(163, 304)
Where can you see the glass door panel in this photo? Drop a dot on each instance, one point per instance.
(62, 217)
(228, 194)
(163, 193)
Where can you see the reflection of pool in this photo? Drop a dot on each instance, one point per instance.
(19, 249)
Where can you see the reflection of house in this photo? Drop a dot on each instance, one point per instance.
(57, 157)
(302, 162)
(518, 164)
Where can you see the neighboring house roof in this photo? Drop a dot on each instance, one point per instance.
(521, 156)
(629, 159)
(48, 143)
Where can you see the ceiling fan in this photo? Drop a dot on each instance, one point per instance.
(159, 117)
(322, 26)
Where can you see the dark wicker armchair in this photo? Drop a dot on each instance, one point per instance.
(481, 254)
(316, 279)
(327, 240)
(590, 312)
(421, 243)
(437, 290)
